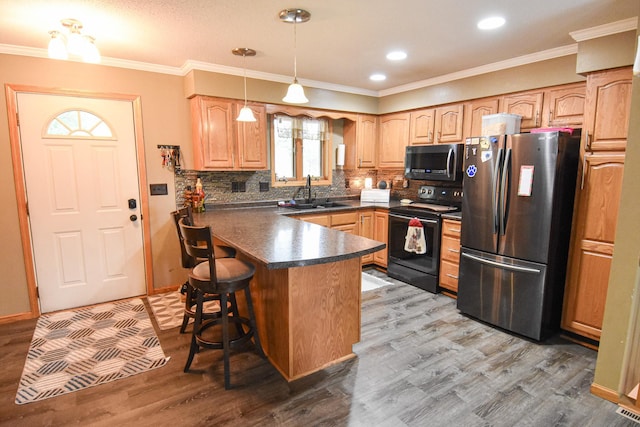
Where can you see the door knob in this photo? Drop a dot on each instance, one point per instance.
(133, 218)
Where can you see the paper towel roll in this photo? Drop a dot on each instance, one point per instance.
(340, 155)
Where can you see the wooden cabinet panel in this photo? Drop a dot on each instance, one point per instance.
(361, 140)
(448, 124)
(474, 111)
(526, 104)
(221, 143)
(450, 254)
(366, 230)
(323, 220)
(380, 233)
(606, 119)
(394, 137)
(564, 106)
(421, 126)
(252, 139)
(344, 218)
(595, 218)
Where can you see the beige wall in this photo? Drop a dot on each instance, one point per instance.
(609, 367)
(165, 121)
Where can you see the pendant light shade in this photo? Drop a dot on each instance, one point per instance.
(246, 114)
(295, 93)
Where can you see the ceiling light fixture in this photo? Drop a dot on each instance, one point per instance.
(246, 115)
(397, 55)
(295, 93)
(61, 46)
(377, 77)
(491, 23)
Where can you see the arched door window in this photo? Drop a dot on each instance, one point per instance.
(78, 124)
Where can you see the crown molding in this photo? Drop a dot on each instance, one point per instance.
(484, 69)
(605, 30)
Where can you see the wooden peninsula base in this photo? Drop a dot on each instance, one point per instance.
(308, 317)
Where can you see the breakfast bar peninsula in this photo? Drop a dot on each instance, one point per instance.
(307, 286)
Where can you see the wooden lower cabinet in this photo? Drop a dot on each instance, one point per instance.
(366, 230)
(596, 213)
(381, 234)
(450, 255)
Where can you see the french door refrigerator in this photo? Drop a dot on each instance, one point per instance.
(516, 223)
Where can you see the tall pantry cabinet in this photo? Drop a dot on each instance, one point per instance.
(604, 138)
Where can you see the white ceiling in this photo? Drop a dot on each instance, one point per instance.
(344, 42)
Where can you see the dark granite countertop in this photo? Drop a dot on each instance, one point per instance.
(268, 235)
(452, 215)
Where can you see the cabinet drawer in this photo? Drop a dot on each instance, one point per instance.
(344, 218)
(450, 249)
(449, 275)
(316, 219)
(451, 228)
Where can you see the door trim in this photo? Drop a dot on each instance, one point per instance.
(11, 92)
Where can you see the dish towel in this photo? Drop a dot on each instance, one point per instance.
(415, 241)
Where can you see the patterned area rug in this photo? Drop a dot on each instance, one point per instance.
(168, 309)
(85, 347)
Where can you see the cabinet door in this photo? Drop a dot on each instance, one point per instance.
(394, 137)
(448, 124)
(366, 230)
(213, 133)
(367, 134)
(380, 233)
(564, 106)
(252, 139)
(473, 115)
(595, 219)
(421, 126)
(324, 220)
(526, 104)
(606, 118)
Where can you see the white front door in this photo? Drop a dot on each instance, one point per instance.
(83, 199)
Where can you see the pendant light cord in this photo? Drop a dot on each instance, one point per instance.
(295, 50)
(244, 63)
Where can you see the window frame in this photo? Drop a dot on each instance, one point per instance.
(327, 158)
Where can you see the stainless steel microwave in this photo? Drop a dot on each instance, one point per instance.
(440, 162)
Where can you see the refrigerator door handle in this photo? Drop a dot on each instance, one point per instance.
(494, 191)
(451, 153)
(500, 265)
(504, 197)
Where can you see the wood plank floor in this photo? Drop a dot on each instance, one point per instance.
(420, 363)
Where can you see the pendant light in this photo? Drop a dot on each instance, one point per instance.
(295, 94)
(246, 115)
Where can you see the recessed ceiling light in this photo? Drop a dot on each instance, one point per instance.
(397, 55)
(377, 77)
(491, 23)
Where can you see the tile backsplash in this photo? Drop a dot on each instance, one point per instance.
(226, 187)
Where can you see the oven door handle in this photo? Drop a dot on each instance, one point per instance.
(430, 221)
(451, 153)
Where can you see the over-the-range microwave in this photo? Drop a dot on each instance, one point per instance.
(439, 162)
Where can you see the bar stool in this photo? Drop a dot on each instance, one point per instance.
(188, 262)
(223, 277)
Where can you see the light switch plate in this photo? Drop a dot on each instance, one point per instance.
(158, 189)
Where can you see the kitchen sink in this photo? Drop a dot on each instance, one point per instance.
(302, 205)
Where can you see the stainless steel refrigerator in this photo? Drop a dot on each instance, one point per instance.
(516, 224)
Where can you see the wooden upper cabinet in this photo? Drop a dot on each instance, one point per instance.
(361, 140)
(606, 117)
(564, 106)
(421, 125)
(394, 137)
(252, 142)
(473, 115)
(221, 143)
(448, 124)
(526, 104)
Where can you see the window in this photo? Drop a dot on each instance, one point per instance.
(300, 147)
(78, 124)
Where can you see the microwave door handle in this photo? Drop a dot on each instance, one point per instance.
(449, 162)
(494, 191)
